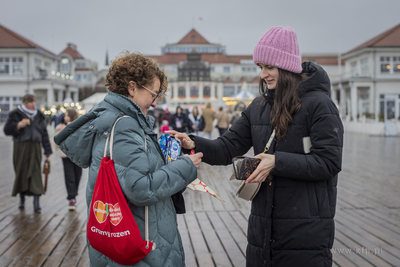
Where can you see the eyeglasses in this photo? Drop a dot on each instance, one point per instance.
(157, 94)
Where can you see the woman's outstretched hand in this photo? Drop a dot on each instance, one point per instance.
(187, 143)
(196, 158)
(264, 168)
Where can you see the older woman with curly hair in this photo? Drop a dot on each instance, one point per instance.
(134, 82)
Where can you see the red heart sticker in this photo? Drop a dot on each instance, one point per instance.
(100, 211)
(115, 214)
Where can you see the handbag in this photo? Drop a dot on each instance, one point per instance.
(243, 167)
(111, 227)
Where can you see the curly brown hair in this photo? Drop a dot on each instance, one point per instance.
(134, 67)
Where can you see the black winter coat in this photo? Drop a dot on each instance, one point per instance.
(183, 118)
(35, 132)
(291, 221)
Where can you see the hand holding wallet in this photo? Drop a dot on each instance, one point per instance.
(244, 166)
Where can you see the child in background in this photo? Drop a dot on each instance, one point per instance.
(164, 126)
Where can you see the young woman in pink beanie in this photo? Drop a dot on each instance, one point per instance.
(291, 221)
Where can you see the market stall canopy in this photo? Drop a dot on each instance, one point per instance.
(243, 95)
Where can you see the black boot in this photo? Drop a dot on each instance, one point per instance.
(21, 201)
(36, 205)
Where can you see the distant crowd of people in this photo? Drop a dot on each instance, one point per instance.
(196, 121)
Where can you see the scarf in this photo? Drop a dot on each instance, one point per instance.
(30, 113)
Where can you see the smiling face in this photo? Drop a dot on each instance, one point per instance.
(144, 97)
(270, 75)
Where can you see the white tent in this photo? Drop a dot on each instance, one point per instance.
(243, 95)
(91, 101)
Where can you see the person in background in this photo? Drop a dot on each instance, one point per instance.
(222, 121)
(179, 121)
(209, 116)
(72, 172)
(57, 118)
(197, 120)
(291, 221)
(167, 116)
(164, 126)
(27, 126)
(134, 83)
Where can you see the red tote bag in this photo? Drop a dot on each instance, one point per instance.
(111, 228)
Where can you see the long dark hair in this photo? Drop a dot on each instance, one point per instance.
(286, 101)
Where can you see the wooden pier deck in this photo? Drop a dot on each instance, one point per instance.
(214, 233)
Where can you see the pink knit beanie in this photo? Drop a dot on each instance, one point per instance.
(279, 47)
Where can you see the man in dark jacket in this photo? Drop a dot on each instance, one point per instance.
(27, 125)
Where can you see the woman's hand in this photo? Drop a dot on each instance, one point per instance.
(187, 143)
(196, 158)
(263, 169)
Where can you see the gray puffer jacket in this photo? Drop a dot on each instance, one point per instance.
(144, 177)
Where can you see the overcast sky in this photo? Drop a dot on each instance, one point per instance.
(322, 26)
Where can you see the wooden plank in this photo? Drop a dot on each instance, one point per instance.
(214, 245)
(234, 230)
(360, 245)
(233, 251)
(348, 251)
(340, 258)
(65, 243)
(84, 261)
(201, 251)
(186, 242)
(75, 253)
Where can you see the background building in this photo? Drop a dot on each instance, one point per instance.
(199, 72)
(83, 70)
(26, 67)
(368, 90)
(228, 74)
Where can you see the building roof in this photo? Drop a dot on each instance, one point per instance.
(322, 59)
(10, 39)
(389, 38)
(213, 58)
(236, 58)
(228, 80)
(242, 80)
(72, 51)
(193, 37)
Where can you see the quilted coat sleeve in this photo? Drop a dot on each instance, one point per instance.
(325, 159)
(141, 186)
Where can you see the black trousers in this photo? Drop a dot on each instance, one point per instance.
(72, 174)
(222, 131)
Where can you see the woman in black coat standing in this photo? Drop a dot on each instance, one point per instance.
(291, 221)
(27, 126)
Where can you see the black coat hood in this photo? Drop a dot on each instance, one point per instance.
(317, 80)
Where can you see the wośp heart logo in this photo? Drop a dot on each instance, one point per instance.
(101, 212)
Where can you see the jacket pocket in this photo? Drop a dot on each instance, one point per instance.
(312, 199)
